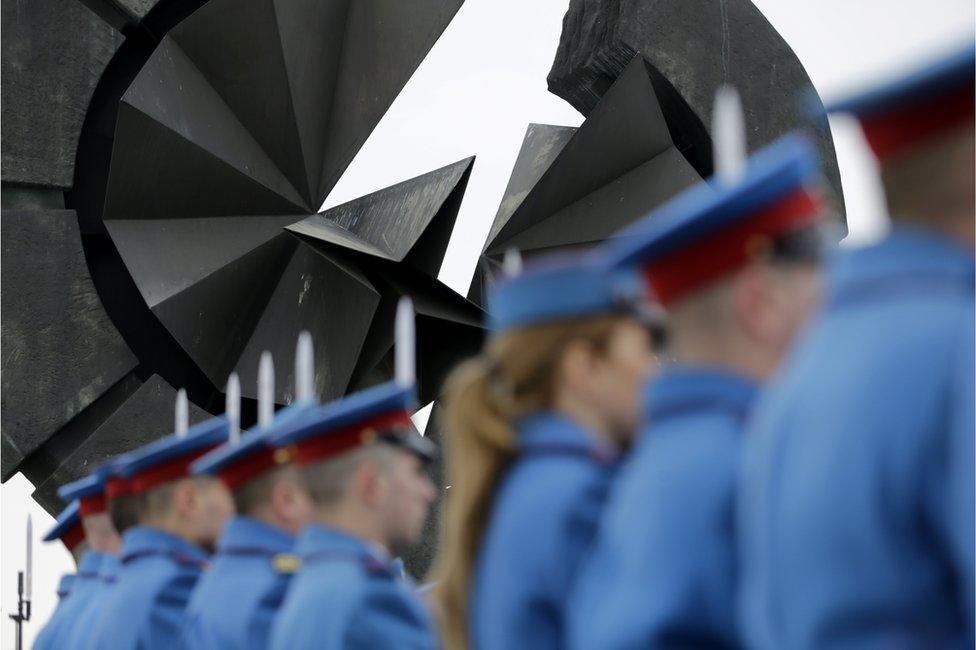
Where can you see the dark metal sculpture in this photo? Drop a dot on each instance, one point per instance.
(696, 45)
(60, 351)
(212, 138)
(574, 188)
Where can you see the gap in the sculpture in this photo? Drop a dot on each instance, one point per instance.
(421, 418)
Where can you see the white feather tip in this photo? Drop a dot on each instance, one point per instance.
(728, 135)
(405, 338)
(265, 389)
(182, 416)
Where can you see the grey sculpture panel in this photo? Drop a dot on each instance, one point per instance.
(60, 350)
(53, 54)
(385, 41)
(145, 416)
(560, 198)
(603, 212)
(332, 302)
(394, 219)
(213, 319)
(541, 145)
(166, 256)
(696, 45)
(624, 131)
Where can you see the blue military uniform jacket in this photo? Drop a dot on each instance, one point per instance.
(79, 634)
(145, 608)
(857, 494)
(664, 566)
(86, 585)
(545, 515)
(236, 600)
(348, 596)
(44, 638)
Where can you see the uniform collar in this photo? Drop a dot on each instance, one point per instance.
(679, 390)
(64, 586)
(316, 538)
(906, 252)
(109, 568)
(543, 431)
(143, 540)
(247, 533)
(91, 563)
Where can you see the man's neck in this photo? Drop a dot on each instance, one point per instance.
(268, 517)
(172, 526)
(736, 359)
(352, 524)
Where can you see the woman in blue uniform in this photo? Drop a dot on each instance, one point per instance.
(536, 425)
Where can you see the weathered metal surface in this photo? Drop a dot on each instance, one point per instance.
(53, 54)
(576, 188)
(411, 221)
(696, 45)
(60, 350)
(147, 414)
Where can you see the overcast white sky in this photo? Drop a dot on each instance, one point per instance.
(482, 83)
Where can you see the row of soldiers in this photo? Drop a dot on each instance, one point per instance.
(716, 429)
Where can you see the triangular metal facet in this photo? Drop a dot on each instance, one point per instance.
(237, 46)
(165, 256)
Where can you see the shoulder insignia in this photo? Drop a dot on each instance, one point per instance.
(286, 563)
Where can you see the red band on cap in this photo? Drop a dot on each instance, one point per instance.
(897, 131)
(239, 473)
(691, 267)
(318, 448)
(117, 487)
(73, 536)
(165, 472)
(92, 505)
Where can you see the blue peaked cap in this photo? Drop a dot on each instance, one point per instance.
(561, 288)
(347, 412)
(204, 434)
(68, 518)
(252, 441)
(773, 173)
(945, 74)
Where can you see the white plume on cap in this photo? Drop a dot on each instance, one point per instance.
(265, 389)
(182, 414)
(233, 408)
(405, 344)
(304, 369)
(512, 263)
(728, 135)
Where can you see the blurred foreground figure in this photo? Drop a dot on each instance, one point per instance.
(68, 530)
(735, 262)
(535, 429)
(236, 600)
(364, 466)
(99, 564)
(163, 556)
(857, 487)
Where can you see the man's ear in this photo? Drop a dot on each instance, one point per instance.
(369, 483)
(185, 497)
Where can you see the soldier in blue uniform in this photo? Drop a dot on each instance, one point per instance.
(364, 465)
(735, 262)
(857, 485)
(537, 424)
(163, 557)
(235, 602)
(103, 544)
(68, 530)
